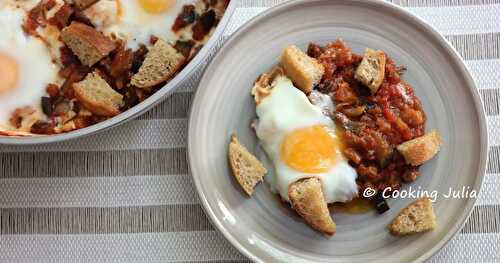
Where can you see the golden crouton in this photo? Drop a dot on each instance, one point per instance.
(161, 64)
(421, 149)
(304, 71)
(371, 70)
(416, 217)
(246, 168)
(88, 44)
(306, 197)
(97, 96)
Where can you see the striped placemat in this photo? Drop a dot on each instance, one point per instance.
(126, 194)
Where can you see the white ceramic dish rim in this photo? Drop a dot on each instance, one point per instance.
(140, 108)
(457, 59)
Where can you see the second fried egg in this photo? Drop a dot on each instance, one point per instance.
(135, 21)
(302, 142)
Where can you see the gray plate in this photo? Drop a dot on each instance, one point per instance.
(144, 106)
(260, 227)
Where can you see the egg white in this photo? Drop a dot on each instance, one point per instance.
(34, 62)
(128, 21)
(280, 113)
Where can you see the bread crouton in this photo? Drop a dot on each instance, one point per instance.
(371, 70)
(304, 71)
(416, 217)
(306, 197)
(161, 63)
(83, 4)
(88, 44)
(246, 168)
(264, 84)
(421, 149)
(97, 96)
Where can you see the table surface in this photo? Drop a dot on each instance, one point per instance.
(126, 194)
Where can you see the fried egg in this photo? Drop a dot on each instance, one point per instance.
(135, 21)
(26, 65)
(302, 142)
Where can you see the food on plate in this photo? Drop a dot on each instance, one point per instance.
(66, 65)
(88, 44)
(371, 70)
(246, 168)
(415, 218)
(160, 64)
(307, 198)
(421, 149)
(304, 71)
(302, 142)
(26, 68)
(334, 124)
(97, 96)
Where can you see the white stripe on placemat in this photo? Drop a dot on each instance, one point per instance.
(188, 246)
(137, 134)
(449, 20)
(493, 129)
(116, 191)
(161, 247)
(457, 20)
(485, 72)
(470, 248)
(123, 191)
(490, 191)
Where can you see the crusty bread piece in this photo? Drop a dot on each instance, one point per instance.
(371, 70)
(304, 71)
(416, 217)
(83, 4)
(88, 44)
(161, 64)
(421, 149)
(264, 84)
(247, 169)
(306, 197)
(97, 96)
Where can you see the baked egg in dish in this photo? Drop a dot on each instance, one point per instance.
(135, 21)
(26, 67)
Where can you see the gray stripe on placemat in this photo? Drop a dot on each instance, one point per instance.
(483, 219)
(156, 219)
(491, 99)
(98, 220)
(89, 164)
(477, 46)
(494, 160)
(433, 3)
(176, 106)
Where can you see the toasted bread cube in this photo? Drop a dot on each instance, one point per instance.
(88, 44)
(415, 218)
(246, 168)
(97, 96)
(304, 71)
(306, 197)
(161, 64)
(371, 70)
(421, 149)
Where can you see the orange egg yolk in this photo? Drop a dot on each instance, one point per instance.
(310, 150)
(156, 6)
(9, 73)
